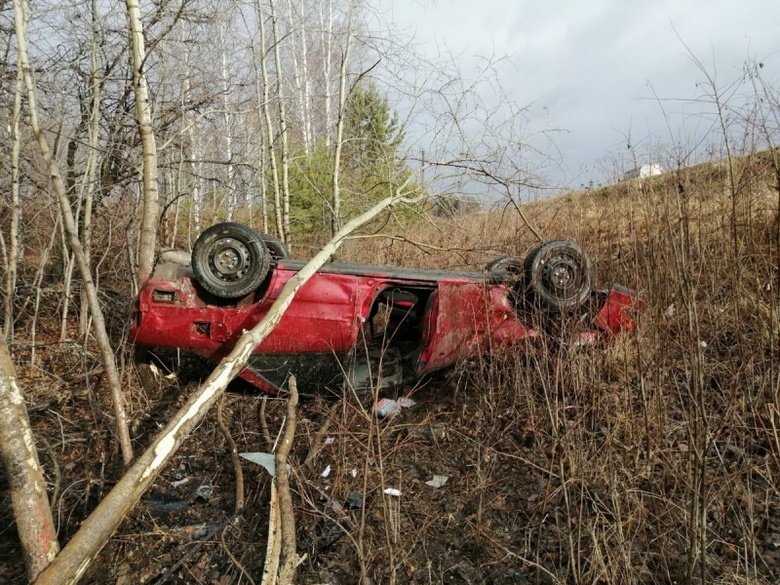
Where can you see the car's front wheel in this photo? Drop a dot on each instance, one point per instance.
(230, 260)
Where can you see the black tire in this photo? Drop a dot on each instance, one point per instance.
(507, 263)
(559, 275)
(230, 260)
(276, 247)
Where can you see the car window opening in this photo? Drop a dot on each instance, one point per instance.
(395, 319)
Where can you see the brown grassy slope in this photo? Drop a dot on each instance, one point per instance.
(663, 451)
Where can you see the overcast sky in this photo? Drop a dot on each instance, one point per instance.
(592, 67)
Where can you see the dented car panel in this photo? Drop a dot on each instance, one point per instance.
(366, 325)
(465, 318)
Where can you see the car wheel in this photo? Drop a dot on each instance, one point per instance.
(511, 265)
(559, 274)
(276, 247)
(230, 260)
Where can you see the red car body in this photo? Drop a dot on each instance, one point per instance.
(352, 321)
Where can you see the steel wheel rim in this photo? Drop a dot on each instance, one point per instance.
(230, 259)
(561, 275)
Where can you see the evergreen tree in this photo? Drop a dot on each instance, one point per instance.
(371, 163)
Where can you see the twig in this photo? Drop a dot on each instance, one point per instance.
(233, 453)
(319, 436)
(264, 423)
(55, 493)
(239, 565)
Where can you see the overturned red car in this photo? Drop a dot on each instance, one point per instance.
(366, 326)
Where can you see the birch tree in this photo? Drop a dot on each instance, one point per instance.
(150, 205)
(284, 147)
(269, 127)
(227, 118)
(34, 521)
(12, 256)
(336, 200)
(326, 33)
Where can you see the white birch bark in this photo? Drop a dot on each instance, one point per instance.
(32, 512)
(227, 119)
(336, 200)
(193, 143)
(282, 127)
(327, 50)
(150, 201)
(12, 260)
(266, 110)
(91, 170)
(298, 29)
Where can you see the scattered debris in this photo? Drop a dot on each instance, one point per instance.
(355, 500)
(438, 481)
(392, 492)
(267, 460)
(325, 472)
(163, 505)
(203, 491)
(330, 440)
(330, 528)
(386, 407)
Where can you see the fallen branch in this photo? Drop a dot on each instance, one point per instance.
(222, 422)
(273, 546)
(289, 550)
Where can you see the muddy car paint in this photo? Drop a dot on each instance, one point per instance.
(433, 319)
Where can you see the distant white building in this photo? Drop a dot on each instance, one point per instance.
(644, 171)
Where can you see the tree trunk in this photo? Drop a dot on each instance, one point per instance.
(13, 236)
(69, 222)
(150, 199)
(43, 263)
(282, 129)
(300, 69)
(91, 171)
(34, 521)
(227, 120)
(336, 201)
(71, 564)
(327, 50)
(270, 128)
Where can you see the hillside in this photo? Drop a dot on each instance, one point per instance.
(654, 459)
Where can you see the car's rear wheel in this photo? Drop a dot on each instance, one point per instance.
(507, 264)
(276, 247)
(559, 275)
(230, 260)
